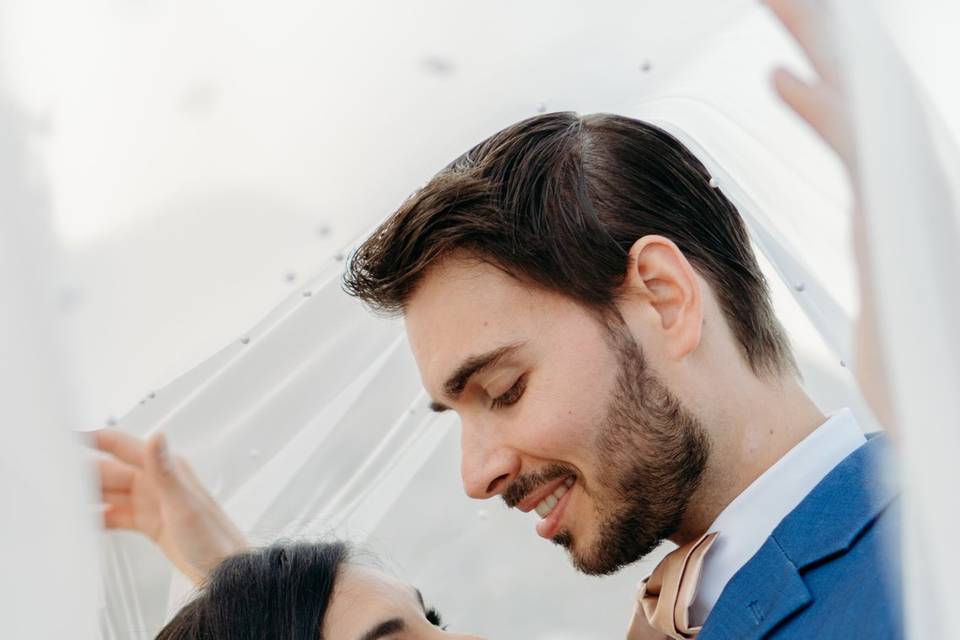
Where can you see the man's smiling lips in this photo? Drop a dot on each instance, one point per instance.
(551, 510)
(534, 498)
(549, 500)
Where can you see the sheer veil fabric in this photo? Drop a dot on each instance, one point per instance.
(312, 421)
(47, 535)
(911, 183)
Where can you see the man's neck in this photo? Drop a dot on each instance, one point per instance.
(750, 437)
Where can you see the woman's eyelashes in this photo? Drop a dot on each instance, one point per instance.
(511, 395)
(433, 617)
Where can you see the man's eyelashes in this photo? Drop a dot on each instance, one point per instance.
(511, 395)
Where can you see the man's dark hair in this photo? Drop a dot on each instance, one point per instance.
(281, 591)
(557, 200)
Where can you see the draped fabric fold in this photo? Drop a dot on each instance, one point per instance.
(912, 219)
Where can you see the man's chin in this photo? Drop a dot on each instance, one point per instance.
(597, 559)
(563, 539)
(587, 561)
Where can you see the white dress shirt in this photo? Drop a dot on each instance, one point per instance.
(746, 523)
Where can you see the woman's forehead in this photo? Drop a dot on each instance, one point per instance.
(364, 595)
(370, 582)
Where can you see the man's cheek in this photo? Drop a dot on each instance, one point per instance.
(561, 437)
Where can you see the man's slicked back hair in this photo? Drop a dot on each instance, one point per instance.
(557, 200)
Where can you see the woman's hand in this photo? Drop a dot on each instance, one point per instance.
(146, 488)
(824, 105)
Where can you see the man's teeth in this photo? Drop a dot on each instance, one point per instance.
(547, 504)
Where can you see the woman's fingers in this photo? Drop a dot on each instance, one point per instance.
(820, 106)
(127, 448)
(161, 467)
(118, 518)
(116, 498)
(810, 102)
(807, 22)
(115, 475)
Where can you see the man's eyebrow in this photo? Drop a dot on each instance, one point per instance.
(470, 367)
(395, 625)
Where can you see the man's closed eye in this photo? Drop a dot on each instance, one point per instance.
(511, 395)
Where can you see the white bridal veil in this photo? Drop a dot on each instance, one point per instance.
(183, 179)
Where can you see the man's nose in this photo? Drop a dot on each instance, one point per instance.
(487, 465)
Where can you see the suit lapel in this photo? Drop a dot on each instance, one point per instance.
(832, 516)
(770, 587)
(767, 590)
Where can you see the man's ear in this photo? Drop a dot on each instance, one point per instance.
(661, 291)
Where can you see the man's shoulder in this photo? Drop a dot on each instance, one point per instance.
(855, 592)
(830, 569)
(837, 512)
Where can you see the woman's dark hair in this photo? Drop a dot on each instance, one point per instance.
(280, 591)
(557, 200)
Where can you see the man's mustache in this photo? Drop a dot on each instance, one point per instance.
(525, 484)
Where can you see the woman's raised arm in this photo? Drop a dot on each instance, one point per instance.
(146, 488)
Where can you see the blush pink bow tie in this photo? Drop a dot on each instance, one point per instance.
(664, 599)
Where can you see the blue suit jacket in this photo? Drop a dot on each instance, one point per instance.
(831, 568)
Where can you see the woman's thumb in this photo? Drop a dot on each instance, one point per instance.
(159, 461)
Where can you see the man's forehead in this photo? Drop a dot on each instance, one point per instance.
(466, 295)
(465, 275)
(463, 307)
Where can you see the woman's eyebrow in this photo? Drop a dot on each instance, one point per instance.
(395, 625)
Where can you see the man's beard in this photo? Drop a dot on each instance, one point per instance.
(650, 453)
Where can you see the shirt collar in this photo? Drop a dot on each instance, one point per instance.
(752, 516)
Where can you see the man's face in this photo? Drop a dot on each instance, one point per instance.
(559, 412)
